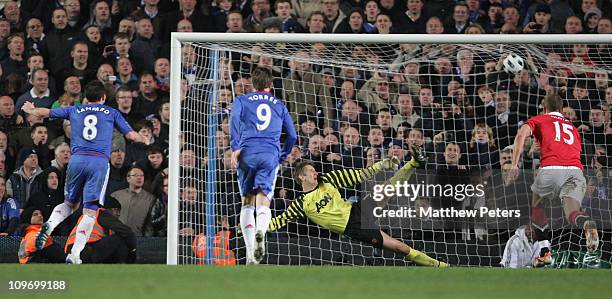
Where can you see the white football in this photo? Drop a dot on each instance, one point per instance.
(513, 63)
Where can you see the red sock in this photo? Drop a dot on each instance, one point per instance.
(538, 217)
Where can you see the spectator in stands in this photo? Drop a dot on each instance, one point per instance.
(121, 48)
(598, 129)
(125, 106)
(35, 62)
(482, 146)
(40, 94)
(284, 11)
(573, 25)
(106, 76)
(126, 74)
(505, 120)
(219, 13)
(72, 93)
(21, 136)
(541, 21)
(152, 166)
(413, 20)
(405, 111)
(304, 9)
(32, 218)
(9, 120)
(242, 86)
(23, 181)
(261, 10)
(384, 24)
(136, 203)
(137, 151)
(188, 202)
(15, 16)
(145, 47)
(58, 41)
(101, 16)
(35, 36)
(235, 23)
(434, 26)
(15, 61)
(50, 195)
(7, 155)
(60, 163)
(333, 15)
(80, 66)
(316, 22)
(187, 11)
(127, 26)
(351, 153)
(159, 211)
(34, 136)
(5, 32)
(371, 11)
(9, 212)
(460, 20)
(495, 18)
(512, 16)
(118, 169)
(301, 86)
(162, 74)
(76, 19)
(148, 100)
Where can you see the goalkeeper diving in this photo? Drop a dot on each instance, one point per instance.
(322, 203)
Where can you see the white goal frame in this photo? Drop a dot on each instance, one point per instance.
(175, 80)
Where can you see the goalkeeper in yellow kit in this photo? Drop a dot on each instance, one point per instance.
(321, 203)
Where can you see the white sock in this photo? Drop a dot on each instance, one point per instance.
(247, 225)
(82, 234)
(264, 216)
(60, 212)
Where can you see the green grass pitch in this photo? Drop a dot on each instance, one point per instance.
(177, 282)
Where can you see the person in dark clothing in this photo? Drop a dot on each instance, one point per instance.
(102, 246)
(51, 195)
(9, 212)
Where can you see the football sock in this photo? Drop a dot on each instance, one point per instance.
(247, 225)
(423, 259)
(578, 218)
(264, 216)
(60, 212)
(82, 234)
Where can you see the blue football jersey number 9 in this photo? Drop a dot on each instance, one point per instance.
(264, 114)
(90, 131)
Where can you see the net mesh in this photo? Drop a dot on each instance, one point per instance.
(392, 94)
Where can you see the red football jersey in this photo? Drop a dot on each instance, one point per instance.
(560, 143)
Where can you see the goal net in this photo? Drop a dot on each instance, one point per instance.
(358, 99)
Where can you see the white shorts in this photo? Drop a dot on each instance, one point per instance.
(558, 182)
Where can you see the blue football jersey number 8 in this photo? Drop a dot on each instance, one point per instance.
(90, 131)
(264, 114)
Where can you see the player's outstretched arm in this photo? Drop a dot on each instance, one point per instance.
(293, 212)
(519, 143)
(350, 177)
(29, 108)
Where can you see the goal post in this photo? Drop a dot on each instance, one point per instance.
(206, 66)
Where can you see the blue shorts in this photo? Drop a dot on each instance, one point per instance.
(257, 172)
(87, 177)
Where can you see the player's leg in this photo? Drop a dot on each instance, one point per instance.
(247, 211)
(97, 173)
(571, 194)
(265, 181)
(74, 188)
(410, 253)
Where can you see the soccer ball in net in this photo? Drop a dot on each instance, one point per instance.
(513, 63)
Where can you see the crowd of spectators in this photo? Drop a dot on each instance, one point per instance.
(457, 103)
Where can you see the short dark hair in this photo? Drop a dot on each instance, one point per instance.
(35, 126)
(261, 78)
(136, 167)
(155, 150)
(124, 88)
(94, 91)
(552, 103)
(298, 170)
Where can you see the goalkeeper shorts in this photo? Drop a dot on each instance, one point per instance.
(356, 231)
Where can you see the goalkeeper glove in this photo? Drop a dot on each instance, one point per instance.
(418, 157)
(389, 163)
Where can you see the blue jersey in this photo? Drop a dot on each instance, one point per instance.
(9, 209)
(257, 120)
(92, 127)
